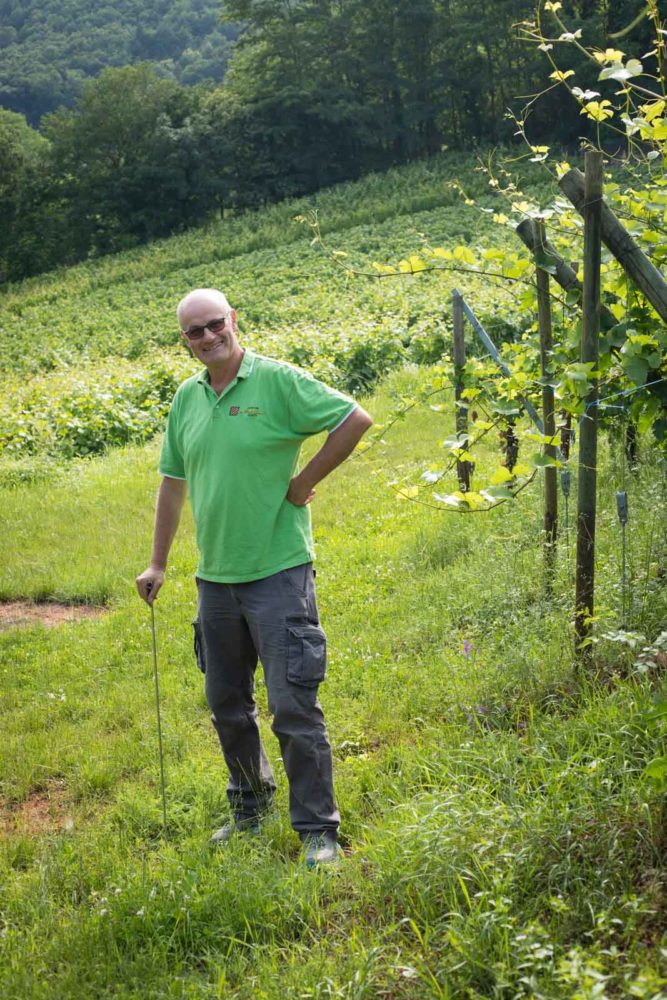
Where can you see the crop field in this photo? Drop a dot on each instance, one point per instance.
(104, 357)
(501, 837)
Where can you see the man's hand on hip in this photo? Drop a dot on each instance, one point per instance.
(299, 493)
(149, 583)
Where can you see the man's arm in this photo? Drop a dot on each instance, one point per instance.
(170, 499)
(339, 444)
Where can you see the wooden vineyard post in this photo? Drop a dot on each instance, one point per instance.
(586, 502)
(548, 410)
(636, 264)
(564, 273)
(459, 351)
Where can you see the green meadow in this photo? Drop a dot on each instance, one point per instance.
(501, 837)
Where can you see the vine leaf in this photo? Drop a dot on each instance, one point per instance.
(543, 461)
(617, 71)
(500, 476)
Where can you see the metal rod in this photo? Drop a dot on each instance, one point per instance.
(624, 622)
(493, 351)
(622, 510)
(463, 469)
(548, 411)
(159, 721)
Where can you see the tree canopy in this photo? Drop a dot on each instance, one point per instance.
(316, 92)
(48, 49)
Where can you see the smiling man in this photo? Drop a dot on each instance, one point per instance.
(233, 439)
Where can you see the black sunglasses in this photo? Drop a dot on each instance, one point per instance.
(215, 326)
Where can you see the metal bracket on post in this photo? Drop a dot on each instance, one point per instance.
(565, 479)
(623, 514)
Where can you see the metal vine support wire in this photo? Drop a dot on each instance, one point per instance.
(622, 510)
(565, 481)
(159, 721)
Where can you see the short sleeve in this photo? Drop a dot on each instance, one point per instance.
(315, 407)
(171, 456)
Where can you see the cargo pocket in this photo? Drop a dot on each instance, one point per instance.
(306, 654)
(199, 645)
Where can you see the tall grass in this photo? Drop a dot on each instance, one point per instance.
(501, 841)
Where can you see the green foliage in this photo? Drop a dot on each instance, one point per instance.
(107, 404)
(135, 160)
(633, 354)
(385, 82)
(63, 394)
(101, 407)
(317, 92)
(22, 152)
(47, 52)
(631, 375)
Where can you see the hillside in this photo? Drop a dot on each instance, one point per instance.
(48, 49)
(501, 837)
(316, 94)
(107, 332)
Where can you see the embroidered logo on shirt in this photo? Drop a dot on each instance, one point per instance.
(250, 411)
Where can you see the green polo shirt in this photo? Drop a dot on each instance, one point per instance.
(238, 452)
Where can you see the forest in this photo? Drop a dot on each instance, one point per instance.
(147, 142)
(455, 215)
(49, 49)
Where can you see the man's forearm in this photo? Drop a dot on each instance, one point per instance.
(171, 497)
(339, 444)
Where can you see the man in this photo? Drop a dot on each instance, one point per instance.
(233, 439)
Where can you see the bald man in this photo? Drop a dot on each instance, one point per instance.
(233, 439)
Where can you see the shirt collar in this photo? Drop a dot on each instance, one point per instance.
(247, 364)
(245, 369)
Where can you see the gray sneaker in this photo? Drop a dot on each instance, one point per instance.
(321, 849)
(225, 833)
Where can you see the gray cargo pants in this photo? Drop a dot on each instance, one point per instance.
(274, 620)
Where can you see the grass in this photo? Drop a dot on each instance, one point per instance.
(501, 841)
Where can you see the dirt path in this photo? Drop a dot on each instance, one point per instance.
(13, 613)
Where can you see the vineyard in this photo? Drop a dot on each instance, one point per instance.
(502, 796)
(115, 318)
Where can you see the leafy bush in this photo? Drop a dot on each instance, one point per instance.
(100, 407)
(77, 413)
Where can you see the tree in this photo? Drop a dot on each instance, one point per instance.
(131, 160)
(48, 50)
(22, 155)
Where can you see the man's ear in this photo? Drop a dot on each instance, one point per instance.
(234, 323)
